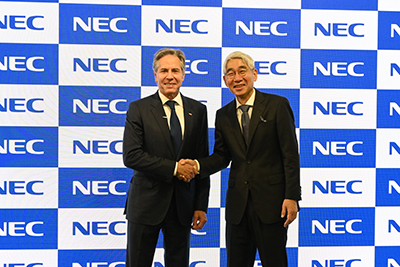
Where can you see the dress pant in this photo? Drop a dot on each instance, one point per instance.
(142, 241)
(243, 240)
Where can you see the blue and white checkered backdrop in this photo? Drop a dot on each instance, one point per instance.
(69, 69)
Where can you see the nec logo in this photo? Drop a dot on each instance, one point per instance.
(394, 28)
(394, 108)
(337, 108)
(98, 106)
(394, 68)
(336, 187)
(338, 69)
(393, 224)
(358, 146)
(98, 188)
(338, 29)
(393, 186)
(334, 263)
(388, 109)
(262, 28)
(394, 146)
(194, 67)
(22, 23)
(193, 264)
(14, 63)
(20, 188)
(336, 226)
(99, 65)
(22, 265)
(98, 24)
(21, 229)
(266, 67)
(98, 147)
(100, 264)
(337, 148)
(181, 26)
(98, 228)
(388, 188)
(392, 263)
(21, 105)
(18, 146)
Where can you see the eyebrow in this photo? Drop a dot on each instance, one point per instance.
(168, 69)
(240, 67)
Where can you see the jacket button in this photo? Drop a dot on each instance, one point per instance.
(246, 182)
(248, 162)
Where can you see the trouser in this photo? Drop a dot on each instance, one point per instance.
(142, 242)
(243, 240)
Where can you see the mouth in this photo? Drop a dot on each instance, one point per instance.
(238, 86)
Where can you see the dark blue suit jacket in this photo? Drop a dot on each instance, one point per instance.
(147, 149)
(269, 167)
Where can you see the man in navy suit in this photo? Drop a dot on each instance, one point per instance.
(256, 134)
(164, 194)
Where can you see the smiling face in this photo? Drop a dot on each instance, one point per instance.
(240, 79)
(169, 76)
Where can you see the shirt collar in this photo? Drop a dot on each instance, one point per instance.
(249, 102)
(177, 99)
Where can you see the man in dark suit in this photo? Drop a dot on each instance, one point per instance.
(264, 180)
(163, 195)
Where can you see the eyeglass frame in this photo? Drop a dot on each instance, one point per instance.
(230, 74)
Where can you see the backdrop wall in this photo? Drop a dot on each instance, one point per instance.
(69, 69)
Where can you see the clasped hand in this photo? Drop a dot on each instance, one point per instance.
(187, 169)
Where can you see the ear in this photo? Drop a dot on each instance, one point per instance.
(255, 74)
(225, 81)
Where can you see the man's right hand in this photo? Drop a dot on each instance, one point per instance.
(187, 169)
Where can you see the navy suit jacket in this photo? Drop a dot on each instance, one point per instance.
(148, 150)
(269, 167)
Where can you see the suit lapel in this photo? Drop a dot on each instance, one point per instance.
(188, 113)
(235, 126)
(157, 110)
(258, 109)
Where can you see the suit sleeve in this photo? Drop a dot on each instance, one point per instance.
(203, 182)
(221, 157)
(135, 155)
(289, 147)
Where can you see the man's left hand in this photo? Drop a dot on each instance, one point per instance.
(289, 209)
(199, 219)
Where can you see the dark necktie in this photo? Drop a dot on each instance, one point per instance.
(245, 122)
(176, 130)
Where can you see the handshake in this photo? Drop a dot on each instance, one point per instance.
(187, 169)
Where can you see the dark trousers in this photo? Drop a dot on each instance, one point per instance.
(250, 234)
(142, 242)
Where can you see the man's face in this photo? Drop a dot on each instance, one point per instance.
(169, 76)
(240, 78)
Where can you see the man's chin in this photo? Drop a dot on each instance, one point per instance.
(171, 93)
(238, 92)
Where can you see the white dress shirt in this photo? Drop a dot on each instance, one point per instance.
(250, 103)
(178, 110)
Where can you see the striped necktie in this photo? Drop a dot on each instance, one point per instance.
(176, 130)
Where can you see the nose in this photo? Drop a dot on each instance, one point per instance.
(169, 75)
(237, 77)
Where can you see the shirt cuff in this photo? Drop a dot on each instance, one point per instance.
(176, 168)
(198, 165)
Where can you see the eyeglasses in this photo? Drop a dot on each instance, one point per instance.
(231, 74)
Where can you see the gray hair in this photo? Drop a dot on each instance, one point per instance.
(169, 51)
(240, 55)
